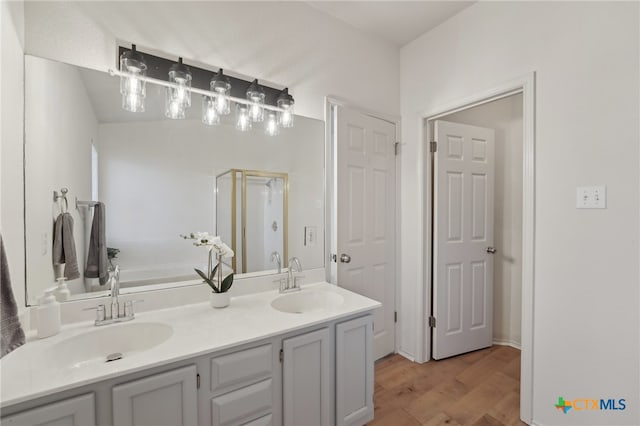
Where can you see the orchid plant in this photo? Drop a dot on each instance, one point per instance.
(216, 248)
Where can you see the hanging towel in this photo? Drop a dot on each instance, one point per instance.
(12, 335)
(64, 246)
(97, 261)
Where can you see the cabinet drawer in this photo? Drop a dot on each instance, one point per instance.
(242, 367)
(243, 405)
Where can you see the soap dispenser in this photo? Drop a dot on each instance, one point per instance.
(62, 292)
(48, 314)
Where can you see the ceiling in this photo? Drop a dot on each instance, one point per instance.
(397, 22)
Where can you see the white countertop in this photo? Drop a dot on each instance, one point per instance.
(198, 329)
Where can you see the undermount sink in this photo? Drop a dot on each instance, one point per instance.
(113, 341)
(306, 301)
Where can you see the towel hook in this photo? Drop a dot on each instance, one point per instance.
(63, 196)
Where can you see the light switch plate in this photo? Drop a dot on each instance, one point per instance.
(591, 197)
(310, 235)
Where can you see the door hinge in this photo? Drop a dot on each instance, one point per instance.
(432, 322)
(281, 355)
(433, 146)
(396, 148)
(197, 381)
(395, 316)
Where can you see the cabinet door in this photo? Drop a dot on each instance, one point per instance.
(306, 376)
(162, 399)
(354, 372)
(74, 411)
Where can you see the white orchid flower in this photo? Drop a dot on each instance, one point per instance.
(221, 249)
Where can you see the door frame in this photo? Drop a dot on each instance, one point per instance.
(526, 85)
(331, 101)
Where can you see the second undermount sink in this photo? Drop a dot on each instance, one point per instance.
(306, 301)
(116, 341)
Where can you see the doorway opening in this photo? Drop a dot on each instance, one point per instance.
(525, 86)
(487, 237)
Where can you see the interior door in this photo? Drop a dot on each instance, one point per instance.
(463, 239)
(366, 170)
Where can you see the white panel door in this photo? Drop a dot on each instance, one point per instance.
(463, 239)
(366, 174)
(306, 379)
(161, 399)
(78, 411)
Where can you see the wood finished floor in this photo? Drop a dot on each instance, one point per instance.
(479, 388)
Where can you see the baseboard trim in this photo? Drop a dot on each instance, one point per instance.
(511, 343)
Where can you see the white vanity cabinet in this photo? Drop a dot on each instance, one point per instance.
(168, 398)
(306, 379)
(354, 371)
(319, 375)
(73, 411)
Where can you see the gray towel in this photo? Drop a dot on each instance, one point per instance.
(12, 334)
(97, 261)
(64, 247)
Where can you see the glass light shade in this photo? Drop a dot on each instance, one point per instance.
(255, 94)
(132, 89)
(210, 115)
(221, 86)
(182, 92)
(172, 108)
(243, 121)
(271, 127)
(285, 103)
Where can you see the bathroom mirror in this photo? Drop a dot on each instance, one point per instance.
(157, 180)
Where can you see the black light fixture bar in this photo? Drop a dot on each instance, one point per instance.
(158, 67)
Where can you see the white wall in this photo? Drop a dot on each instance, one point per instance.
(11, 120)
(60, 128)
(505, 117)
(586, 293)
(288, 43)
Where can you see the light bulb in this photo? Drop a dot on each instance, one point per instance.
(285, 103)
(209, 113)
(271, 127)
(222, 105)
(243, 121)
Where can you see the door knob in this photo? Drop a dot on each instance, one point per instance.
(345, 258)
(491, 250)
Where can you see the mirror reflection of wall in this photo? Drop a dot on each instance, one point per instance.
(156, 177)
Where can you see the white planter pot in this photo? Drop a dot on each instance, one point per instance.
(219, 300)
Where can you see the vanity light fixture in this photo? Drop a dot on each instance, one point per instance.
(243, 120)
(178, 97)
(255, 95)
(254, 102)
(285, 104)
(271, 126)
(221, 86)
(132, 88)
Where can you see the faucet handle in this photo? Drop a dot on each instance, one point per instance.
(100, 315)
(128, 307)
(295, 280)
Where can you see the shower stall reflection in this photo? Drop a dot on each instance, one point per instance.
(251, 211)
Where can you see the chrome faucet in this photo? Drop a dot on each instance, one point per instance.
(275, 257)
(127, 315)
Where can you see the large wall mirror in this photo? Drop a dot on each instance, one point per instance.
(160, 178)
